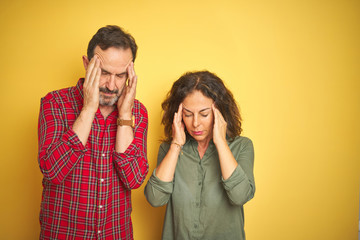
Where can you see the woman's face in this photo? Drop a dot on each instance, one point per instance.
(198, 116)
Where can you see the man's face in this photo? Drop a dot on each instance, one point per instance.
(114, 63)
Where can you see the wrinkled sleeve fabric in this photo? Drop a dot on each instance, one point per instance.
(240, 186)
(132, 165)
(59, 146)
(158, 192)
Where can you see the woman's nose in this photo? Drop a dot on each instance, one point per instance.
(195, 122)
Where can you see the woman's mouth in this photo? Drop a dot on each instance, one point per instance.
(197, 133)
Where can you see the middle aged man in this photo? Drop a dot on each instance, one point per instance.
(92, 145)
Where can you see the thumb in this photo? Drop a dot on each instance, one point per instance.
(121, 98)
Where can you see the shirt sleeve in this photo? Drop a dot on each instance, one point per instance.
(132, 165)
(158, 192)
(240, 186)
(59, 146)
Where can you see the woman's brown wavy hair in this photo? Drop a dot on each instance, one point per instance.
(212, 87)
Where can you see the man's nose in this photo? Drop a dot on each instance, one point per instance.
(111, 82)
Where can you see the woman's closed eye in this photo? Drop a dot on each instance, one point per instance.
(190, 115)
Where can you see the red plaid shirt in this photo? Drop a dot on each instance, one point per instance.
(87, 190)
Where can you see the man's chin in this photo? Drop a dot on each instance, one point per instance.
(108, 102)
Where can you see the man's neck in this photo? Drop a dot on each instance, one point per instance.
(106, 110)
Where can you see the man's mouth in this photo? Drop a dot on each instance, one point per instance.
(108, 91)
(108, 94)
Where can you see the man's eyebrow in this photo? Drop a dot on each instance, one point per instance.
(123, 73)
(103, 70)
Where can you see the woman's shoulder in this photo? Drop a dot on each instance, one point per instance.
(241, 139)
(241, 142)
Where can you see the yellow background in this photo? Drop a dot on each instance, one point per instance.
(293, 66)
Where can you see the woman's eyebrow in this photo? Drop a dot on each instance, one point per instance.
(202, 110)
(186, 109)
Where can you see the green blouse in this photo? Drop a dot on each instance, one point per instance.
(200, 203)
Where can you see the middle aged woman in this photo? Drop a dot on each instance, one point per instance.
(205, 168)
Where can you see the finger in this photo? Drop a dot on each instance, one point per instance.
(89, 69)
(219, 115)
(94, 73)
(214, 112)
(134, 77)
(174, 119)
(180, 112)
(132, 69)
(129, 63)
(121, 98)
(182, 126)
(130, 72)
(177, 118)
(96, 70)
(133, 84)
(131, 89)
(180, 108)
(97, 76)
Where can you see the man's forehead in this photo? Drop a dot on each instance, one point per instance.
(114, 60)
(114, 54)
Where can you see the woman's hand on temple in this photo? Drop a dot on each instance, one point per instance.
(178, 128)
(220, 126)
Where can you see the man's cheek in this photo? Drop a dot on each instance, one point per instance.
(102, 81)
(120, 85)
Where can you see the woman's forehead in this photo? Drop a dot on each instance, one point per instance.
(196, 102)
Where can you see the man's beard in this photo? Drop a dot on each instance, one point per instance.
(108, 100)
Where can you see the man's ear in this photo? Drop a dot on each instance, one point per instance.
(85, 62)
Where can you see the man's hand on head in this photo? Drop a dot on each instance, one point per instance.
(126, 100)
(91, 85)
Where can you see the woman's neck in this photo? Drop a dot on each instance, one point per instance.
(202, 146)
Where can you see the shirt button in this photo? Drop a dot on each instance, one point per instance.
(103, 154)
(101, 206)
(99, 232)
(195, 225)
(102, 180)
(199, 183)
